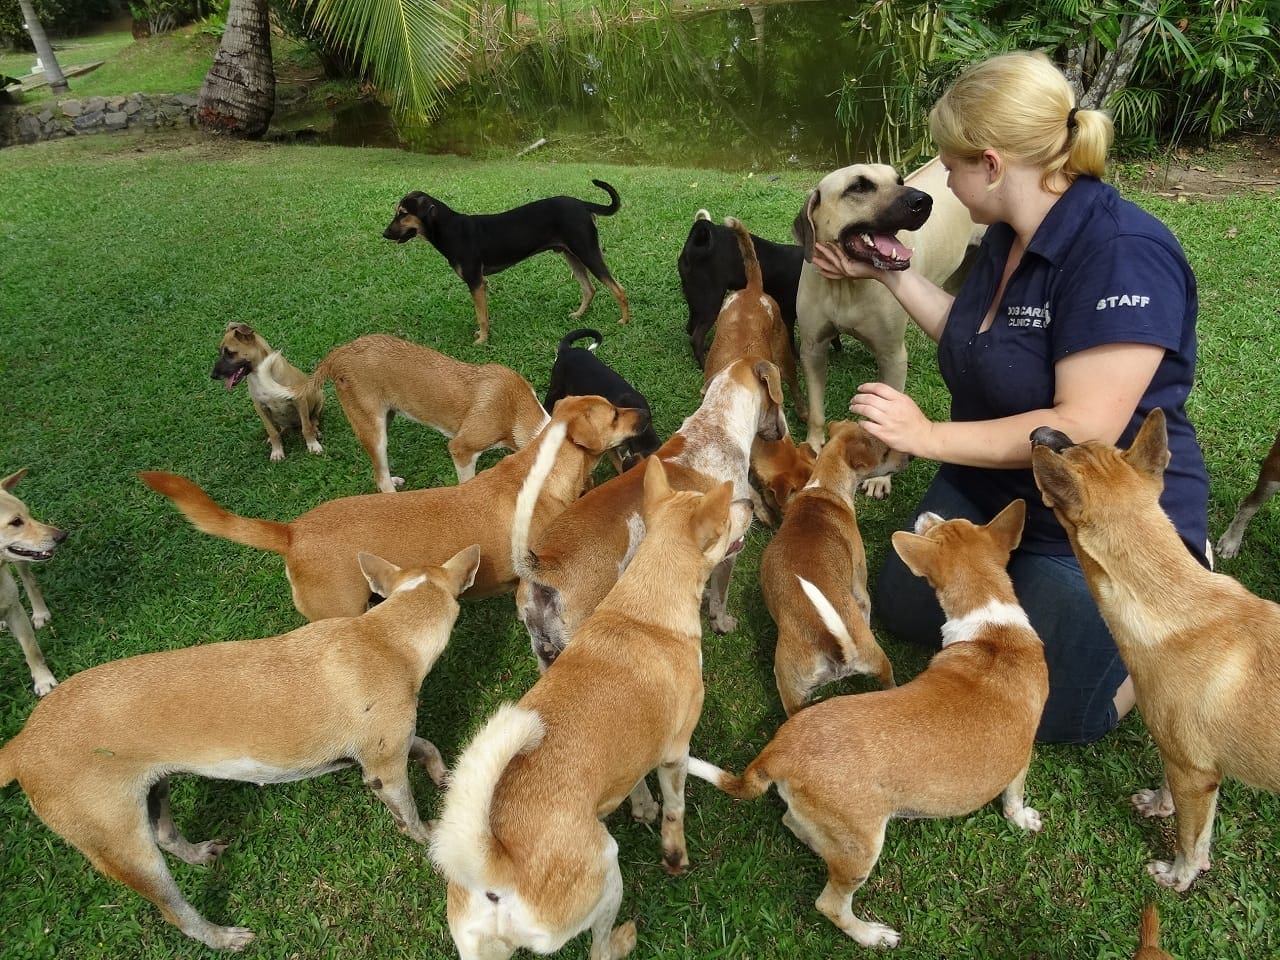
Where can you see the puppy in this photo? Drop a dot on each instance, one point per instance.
(863, 208)
(779, 469)
(95, 756)
(521, 842)
(320, 548)
(481, 245)
(710, 266)
(579, 371)
(281, 393)
(1268, 484)
(1149, 937)
(940, 746)
(24, 541)
(750, 325)
(1203, 652)
(568, 566)
(479, 407)
(814, 573)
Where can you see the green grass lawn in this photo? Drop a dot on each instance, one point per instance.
(123, 259)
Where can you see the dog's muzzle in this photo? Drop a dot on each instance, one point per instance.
(1055, 440)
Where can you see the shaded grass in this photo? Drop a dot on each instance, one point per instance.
(124, 259)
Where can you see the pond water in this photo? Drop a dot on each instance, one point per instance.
(752, 87)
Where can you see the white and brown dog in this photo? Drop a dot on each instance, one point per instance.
(96, 754)
(23, 541)
(521, 842)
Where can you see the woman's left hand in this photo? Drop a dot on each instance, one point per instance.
(893, 417)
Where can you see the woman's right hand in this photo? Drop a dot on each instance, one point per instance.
(834, 264)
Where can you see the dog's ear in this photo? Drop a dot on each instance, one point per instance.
(802, 229)
(656, 486)
(242, 330)
(1056, 480)
(381, 574)
(461, 569)
(1006, 526)
(713, 516)
(768, 374)
(1149, 452)
(11, 481)
(917, 552)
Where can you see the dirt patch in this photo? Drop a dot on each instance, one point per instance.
(1247, 165)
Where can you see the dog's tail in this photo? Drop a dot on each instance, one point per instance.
(1149, 936)
(754, 781)
(462, 845)
(828, 614)
(327, 369)
(750, 262)
(524, 562)
(573, 336)
(208, 516)
(614, 206)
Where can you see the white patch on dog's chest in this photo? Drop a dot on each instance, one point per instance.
(265, 388)
(992, 614)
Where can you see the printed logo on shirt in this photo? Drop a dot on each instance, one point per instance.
(1026, 315)
(1124, 300)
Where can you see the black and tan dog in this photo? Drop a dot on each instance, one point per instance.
(281, 393)
(578, 372)
(23, 541)
(480, 245)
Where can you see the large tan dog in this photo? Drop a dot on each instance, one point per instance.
(528, 860)
(421, 526)
(874, 215)
(814, 573)
(96, 754)
(23, 541)
(570, 565)
(282, 396)
(940, 746)
(1203, 652)
(479, 407)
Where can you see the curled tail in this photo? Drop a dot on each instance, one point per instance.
(208, 516)
(615, 201)
(754, 781)
(750, 263)
(326, 370)
(462, 845)
(523, 562)
(573, 336)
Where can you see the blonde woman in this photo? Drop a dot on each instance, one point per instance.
(1079, 314)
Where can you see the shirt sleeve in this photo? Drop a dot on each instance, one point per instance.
(1133, 289)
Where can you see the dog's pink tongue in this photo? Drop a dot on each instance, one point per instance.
(234, 379)
(888, 246)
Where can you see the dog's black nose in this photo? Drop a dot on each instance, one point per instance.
(920, 202)
(1055, 440)
(60, 536)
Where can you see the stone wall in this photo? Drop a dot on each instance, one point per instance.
(70, 118)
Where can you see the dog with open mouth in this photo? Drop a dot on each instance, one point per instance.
(24, 541)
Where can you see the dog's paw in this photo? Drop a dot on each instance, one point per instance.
(1153, 803)
(39, 619)
(314, 446)
(1168, 875)
(203, 854)
(1228, 547)
(877, 488)
(646, 810)
(623, 940)
(675, 861)
(724, 622)
(877, 935)
(44, 684)
(277, 454)
(228, 938)
(1028, 818)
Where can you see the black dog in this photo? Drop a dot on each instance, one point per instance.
(479, 245)
(579, 372)
(711, 265)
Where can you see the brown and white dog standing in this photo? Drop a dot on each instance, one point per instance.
(528, 860)
(1203, 652)
(814, 573)
(23, 541)
(940, 746)
(281, 393)
(320, 548)
(570, 565)
(96, 754)
(874, 215)
(1266, 487)
(478, 406)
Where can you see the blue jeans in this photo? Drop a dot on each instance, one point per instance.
(1085, 669)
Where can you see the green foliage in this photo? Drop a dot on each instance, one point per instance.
(161, 16)
(58, 17)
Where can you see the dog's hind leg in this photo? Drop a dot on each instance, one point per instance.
(594, 262)
(671, 778)
(607, 941)
(424, 754)
(1195, 795)
(1015, 810)
(168, 835)
(388, 778)
(1268, 484)
(369, 423)
(850, 851)
(583, 277)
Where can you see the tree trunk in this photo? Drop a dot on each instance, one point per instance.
(1094, 82)
(44, 49)
(238, 95)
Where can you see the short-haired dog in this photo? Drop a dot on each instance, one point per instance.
(480, 245)
(95, 756)
(282, 395)
(23, 541)
(942, 745)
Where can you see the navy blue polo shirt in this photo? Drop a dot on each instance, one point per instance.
(1098, 270)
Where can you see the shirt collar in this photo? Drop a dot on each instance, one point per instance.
(1065, 221)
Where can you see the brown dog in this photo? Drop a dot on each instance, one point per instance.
(570, 565)
(1203, 652)
(1266, 487)
(23, 541)
(814, 573)
(281, 394)
(940, 746)
(479, 407)
(528, 860)
(779, 468)
(421, 526)
(95, 756)
(1149, 937)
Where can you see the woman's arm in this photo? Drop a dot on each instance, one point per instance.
(925, 302)
(1097, 391)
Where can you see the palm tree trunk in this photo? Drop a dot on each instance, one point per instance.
(238, 95)
(44, 49)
